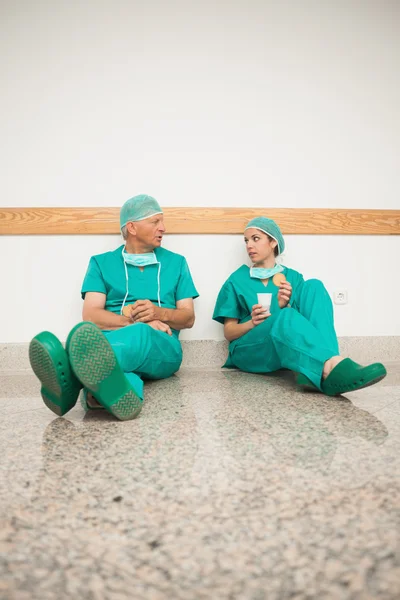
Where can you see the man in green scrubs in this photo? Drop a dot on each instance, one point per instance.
(297, 332)
(136, 300)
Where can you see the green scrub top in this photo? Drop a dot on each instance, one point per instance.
(239, 294)
(106, 274)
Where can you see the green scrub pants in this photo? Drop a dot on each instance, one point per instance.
(301, 338)
(145, 353)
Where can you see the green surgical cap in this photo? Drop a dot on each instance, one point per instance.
(138, 208)
(269, 227)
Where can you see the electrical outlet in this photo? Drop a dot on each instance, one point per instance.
(340, 297)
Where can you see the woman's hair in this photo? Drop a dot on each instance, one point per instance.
(276, 249)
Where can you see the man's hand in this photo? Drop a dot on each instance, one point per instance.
(284, 294)
(160, 326)
(144, 311)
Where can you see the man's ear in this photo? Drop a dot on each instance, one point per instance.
(131, 228)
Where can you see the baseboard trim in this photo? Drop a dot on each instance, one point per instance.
(212, 353)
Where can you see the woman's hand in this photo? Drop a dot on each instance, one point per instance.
(284, 294)
(258, 314)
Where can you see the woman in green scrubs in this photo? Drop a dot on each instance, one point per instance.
(297, 332)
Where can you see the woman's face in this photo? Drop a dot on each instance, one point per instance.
(259, 246)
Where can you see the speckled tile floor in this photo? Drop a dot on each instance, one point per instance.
(228, 486)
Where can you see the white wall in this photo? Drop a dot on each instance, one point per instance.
(258, 103)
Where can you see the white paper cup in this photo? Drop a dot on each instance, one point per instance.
(265, 301)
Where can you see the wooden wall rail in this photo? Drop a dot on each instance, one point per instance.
(78, 221)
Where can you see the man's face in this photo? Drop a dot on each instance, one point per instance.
(149, 232)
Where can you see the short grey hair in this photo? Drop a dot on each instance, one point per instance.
(124, 232)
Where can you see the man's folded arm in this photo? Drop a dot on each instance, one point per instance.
(94, 311)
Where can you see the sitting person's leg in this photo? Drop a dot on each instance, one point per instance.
(90, 362)
(302, 348)
(254, 352)
(313, 301)
(110, 365)
(150, 353)
(286, 339)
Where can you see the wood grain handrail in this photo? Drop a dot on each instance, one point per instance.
(178, 220)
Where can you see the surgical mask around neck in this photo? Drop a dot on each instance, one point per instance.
(140, 260)
(260, 273)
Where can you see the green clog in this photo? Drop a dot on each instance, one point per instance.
(349, 376)
(95, 365)
(49, 361)
(303, 381)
